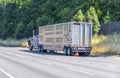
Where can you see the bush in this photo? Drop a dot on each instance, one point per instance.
(106, 44)
(13, 42)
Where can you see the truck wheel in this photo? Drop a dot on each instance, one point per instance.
(29, 42)
(69, 51)
(30, 47)
(41, 48)
(65, 50)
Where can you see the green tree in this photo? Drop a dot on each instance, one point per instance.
(2, 30)
(44, 20)
(79, 16)
(107, 18)
(29, 29)
(65, 14)
(19, 32)
(93, 17)
(42, 12)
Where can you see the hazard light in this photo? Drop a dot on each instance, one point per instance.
(89, 49)
(74, 48)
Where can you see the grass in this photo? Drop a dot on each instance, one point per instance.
(13, 42)
(106, 44)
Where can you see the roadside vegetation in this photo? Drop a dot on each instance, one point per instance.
(13, 42)
(100, 44)
(106, 45)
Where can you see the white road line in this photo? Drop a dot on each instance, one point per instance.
(9, 75)
(46, 63)
(78, 70)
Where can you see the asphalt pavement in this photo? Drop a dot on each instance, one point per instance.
(16, 62)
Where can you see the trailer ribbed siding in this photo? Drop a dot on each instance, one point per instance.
(77, 35)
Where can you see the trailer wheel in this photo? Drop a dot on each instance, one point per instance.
(30, 47)
(69, 51)
(65, 50)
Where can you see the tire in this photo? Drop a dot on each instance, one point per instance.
(65, 50)
(29, 42)
(30, 47)
(69, 51)
(41, 48)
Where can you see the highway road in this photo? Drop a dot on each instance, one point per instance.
(21, 63)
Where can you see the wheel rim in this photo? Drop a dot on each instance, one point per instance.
(30, 47)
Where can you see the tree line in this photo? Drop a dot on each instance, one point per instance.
(19, 17)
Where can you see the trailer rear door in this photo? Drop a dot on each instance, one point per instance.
(85, 34)
(81, 34)
(75, 34)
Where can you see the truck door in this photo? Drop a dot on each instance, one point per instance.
(35, 38)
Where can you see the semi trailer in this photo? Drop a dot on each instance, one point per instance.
(69, 38)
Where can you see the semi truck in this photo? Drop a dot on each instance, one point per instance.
(68, 38)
